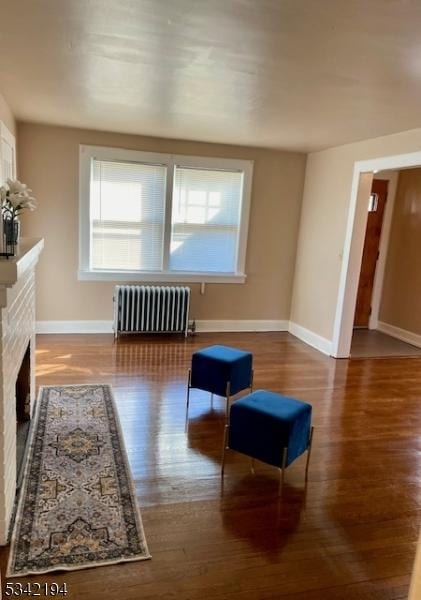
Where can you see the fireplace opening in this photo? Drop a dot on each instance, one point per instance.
(23, 412)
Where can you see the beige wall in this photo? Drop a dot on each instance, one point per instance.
(326, 199)
(48, 163)
(400, 305)
(6, 115)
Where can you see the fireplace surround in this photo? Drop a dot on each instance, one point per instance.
(17, 365)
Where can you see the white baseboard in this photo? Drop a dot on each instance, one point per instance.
(241, 325)
(201, 326)
(312, 339)
(401, 334)
(74, 327)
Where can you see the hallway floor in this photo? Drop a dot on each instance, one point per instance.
(370, 343)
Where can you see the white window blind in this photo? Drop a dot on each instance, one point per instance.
(127, 212)
(205, 227)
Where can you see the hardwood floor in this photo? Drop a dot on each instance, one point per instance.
(350, 534)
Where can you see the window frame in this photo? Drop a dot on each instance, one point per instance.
(171, 161)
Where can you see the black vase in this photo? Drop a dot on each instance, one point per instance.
(11, 231)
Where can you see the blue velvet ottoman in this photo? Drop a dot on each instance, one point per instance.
(220, 370)
(270, 427)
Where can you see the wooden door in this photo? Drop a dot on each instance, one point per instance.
(376, 209)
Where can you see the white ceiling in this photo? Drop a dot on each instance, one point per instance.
(296, 74)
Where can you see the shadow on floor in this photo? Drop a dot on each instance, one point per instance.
(268, 529)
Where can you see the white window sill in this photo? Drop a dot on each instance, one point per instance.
(130, 276)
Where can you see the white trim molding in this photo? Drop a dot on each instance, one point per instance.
(241, 325)
(401, 334)
(201, 326)
(312, 339)
(161, 277)
(74, 327)
(7, 154)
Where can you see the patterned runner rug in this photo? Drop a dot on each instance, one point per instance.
(77, 507)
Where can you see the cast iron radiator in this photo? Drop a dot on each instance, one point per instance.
(151, 309)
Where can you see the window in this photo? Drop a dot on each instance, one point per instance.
(158, 217)
(205, 220)
(127, 205)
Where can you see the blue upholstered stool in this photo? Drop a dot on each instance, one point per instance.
(220, 370)
(269, 427)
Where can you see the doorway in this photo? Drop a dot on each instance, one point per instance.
(390, 269)
(354, 244)
(371, 252)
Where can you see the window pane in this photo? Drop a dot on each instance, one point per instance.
(205, 220)
(127, 215)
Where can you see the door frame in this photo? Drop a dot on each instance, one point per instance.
(353, 248)
(7, 139)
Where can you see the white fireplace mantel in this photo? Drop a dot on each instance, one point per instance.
(27, 253)
(17, 335)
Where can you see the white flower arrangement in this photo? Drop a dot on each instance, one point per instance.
(15, 197)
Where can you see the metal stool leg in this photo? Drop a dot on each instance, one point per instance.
(310, 441)
(188, 397)
(227, 407)
(224, 448)
(282, 469)
(227, 424)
